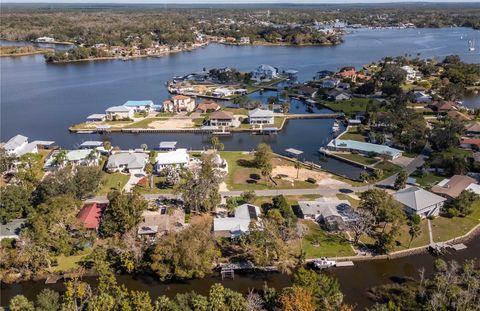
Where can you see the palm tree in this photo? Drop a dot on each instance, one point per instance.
(144, 147)
(60, 158)
(92, 156)
(215, 142)
(149, 171)
(297, 166)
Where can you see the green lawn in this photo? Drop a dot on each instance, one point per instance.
(404, 237)
(239, 111)
(427, 180)
(388, 168)
(113, 181)
(448, 228)
(354, 203)
(354, 134)
(350, 107)
(457, 152)
(319, 243)
(243, 176)
(159, 187)
(278, 121)
(67, 263)
(357, 158)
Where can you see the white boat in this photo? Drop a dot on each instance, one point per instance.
(471, 45)
(335, 127)
(324, 263)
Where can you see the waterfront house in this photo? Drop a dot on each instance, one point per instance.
(239, 224)
(177, 159)
(221, 118)
(422, 97)
(139, 105)
(325, 211)
(418, 201)
(470, 143)
(347, 73)
(343, 86)
(443, 106)
(207, 107)
(330, 83)
(412, 74)
(167, 146)
(244, 40)
(84, 157)
(45, 40)
(265, 73)
(260, 116)
(12, 229)
(15, 145)
(91, 214)
(132, 162)
(159, 222)
(96, 117)
(451, 188)
(222, 92)
(179, 103)
(363, 148)
(307, 91)
(119, 113)
(338, 95)
(472, 129)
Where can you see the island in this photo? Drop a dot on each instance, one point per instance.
(10, 50)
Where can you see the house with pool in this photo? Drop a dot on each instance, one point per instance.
(363, 148)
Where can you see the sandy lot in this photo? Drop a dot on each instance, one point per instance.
(171, 124)
(322, 178)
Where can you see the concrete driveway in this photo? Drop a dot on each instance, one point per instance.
(134, 179)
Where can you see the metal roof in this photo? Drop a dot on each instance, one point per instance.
(417, 198)
(294, 151)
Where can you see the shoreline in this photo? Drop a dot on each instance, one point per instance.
(27, 54)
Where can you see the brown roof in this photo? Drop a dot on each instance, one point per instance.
(454, 186)
(458, 115)
(444, 106)
(179, 97)
(473, 127)
(470, 141)
(221, 115)
(208, 105)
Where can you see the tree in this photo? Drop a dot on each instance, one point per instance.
(463, 204)
(248, 196)
(14, 203)
(232, 203)
(144, 147)
(86, 180)
(60, 158)
(364, 176)
(123, 213)
(263, 158)
(414, 224)
(149, 171)
(363, 224)
(285, 106)
(189, 253)
(296, 298)
(6, 161)
(21, 303)
(215, 141)
(377, 173)
(401, 180)
(280, 203)
(446, 134)
(48, 300)
(107, 145)
(298, 165)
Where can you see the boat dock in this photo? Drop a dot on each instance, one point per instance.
(344, 264)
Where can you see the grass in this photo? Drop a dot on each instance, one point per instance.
(239, 111)
(448, 228)
(159, 186)
(427, 180)
(357, 158)
(350, 107)
(278, 122)
(354, 203)
(388, 168)
(403, 239)
(242, 175)
(67, 263)
(329, 244)
(457, 152)
(141, 124)
(354, 134)
(113, 181)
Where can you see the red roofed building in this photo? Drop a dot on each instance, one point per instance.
(91, 214)
(470, 143)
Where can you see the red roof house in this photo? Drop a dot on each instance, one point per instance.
(91, 214)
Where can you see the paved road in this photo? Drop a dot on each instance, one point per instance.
(410, 168)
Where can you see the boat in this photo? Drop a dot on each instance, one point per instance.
(471, 45)
(335, 127)
(324, 263)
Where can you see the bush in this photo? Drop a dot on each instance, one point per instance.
(311, 180)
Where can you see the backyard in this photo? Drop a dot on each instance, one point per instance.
(112, 181)
(350, 107)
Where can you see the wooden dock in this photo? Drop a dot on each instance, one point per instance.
(52, 279)
(344, 264)
(458, 247)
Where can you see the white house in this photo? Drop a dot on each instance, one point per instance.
(264, 73)
(418, 201)
(412, 74)
(15, 144)
(179, 103)
(119, 112)
(325, 210)
(139, 105)
(260, 116)
(239, 224)
(176, 158)
(133, 162)
(221, 118)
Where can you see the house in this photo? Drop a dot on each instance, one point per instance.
(338, 95)
(472, 129)
(244, 40)
(343, 86)
(96, 117)
(177, 158)
(470, 143)
(12, 229)
(84, 157)
(45, 40)
(422, 97)
(133, 162)
(139, 105)
(119, 113)
(179, 103)
(443, 106)
(91, 214)
(239, 224)
(156, 223)
(451, 188)
(167, 146)
(412, 74)
(348, 72)
(221, 118)
(324, 74)
(260, 116)
(418, 201)
(325, 211)
(363, 148)
(207, 106)
(264, 73)
(330, 83)
(222, 92)
(307, 91)
(454, 114)
(15, 145)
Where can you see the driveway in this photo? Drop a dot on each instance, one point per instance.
(134, 179)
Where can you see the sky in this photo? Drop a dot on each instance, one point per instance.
(229, 1)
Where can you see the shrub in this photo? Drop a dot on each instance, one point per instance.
(311, 180)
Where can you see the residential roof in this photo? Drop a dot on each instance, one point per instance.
(244, 214)
(458, 115)
(12, 228)
(180, 97)
(118, 109)
(454, 186)
(444, 106)
(138, 103)
(160, 221)
(365, 147)
(15, 142)
(260, 113)
(96, 116)
(294, 151)
(473, 127)
(208, 105)
(132, 160)
(417, 198)
(91, 214)
(470, 141)
(323, 207)
(221, 115)
(77, 155)
(179, 156)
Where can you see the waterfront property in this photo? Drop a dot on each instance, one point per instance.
(85, 157)
(364, 148)
(119, 113)
(422, 97)
(12, 229)
(239, 224)
(221, 118)
(470, 143)
(338, 95)
(472, 129)
(418, 201)
(207, 106)
(327, 211)
(451, 188)
(19, 145)
(96, 117)
(91, 214)
(179, 103)
(158, 222)
(260, 116)
(139, 105)
(265, 73)
(177, 158)
(132, 162)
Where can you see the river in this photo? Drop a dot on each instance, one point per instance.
(354, 281)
